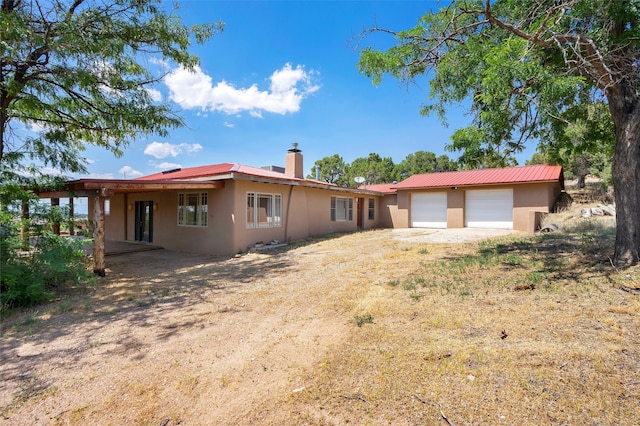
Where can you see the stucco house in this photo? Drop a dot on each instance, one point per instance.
(223, 209)
(508, 198)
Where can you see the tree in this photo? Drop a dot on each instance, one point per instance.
(522, 64)
(74, 73)
(374, 169)
(423, 162)
(333, 169)
(75, 69)
(583, 141)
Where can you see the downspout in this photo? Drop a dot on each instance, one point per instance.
(286, 220)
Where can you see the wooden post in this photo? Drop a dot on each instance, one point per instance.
(71, 218)
(24, 230)
(98, 236)
(55, 226)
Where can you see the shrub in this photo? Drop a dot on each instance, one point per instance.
(31, 275)
(363, 319)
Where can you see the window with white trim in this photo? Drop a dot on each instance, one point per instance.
(341, 209)
(192, 209)
(372, 208)
(264, 210)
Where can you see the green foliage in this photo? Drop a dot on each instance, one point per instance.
(72, 74)
(32, 271)
(376, 169)
(516, 90)
(423, 162)
(79, 72)
(333, 169)
(582, 142)
(363, 319)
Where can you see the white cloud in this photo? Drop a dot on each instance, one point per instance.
(128, 172)
(167, 166)
(190, 148)
(229, 125)
(160, 62)
(162, 150)
(154, 94)
(195, 90)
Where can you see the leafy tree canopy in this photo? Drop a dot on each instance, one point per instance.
(376, 169)
(582, 141)
(76, 72)
(333, 169)
(423, 162)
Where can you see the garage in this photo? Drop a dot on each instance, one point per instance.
(429, 210)
(489, 208)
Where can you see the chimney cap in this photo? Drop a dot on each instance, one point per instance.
(294, 148)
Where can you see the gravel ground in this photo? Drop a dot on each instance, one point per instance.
(457, 235)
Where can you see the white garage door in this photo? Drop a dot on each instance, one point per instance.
(489, 208)
(429, 210)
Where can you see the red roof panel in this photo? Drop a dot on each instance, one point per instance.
(521, 174)
(385, 188)
(213, 170)
(190, 172)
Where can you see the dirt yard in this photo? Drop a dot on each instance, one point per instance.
(315, 333)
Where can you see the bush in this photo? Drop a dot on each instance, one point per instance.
(31, 275)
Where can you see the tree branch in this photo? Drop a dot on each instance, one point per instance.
(591, 58)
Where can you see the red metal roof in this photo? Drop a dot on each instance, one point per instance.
(385, 188)
(190, 172)
(213, 170)
(521, 174)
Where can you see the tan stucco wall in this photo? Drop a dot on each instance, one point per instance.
(387, 211)
(526, 198)
(455, 208)
(375, 222)
(533, 197)
(114, 221)
(244, 237)
(296, 215)
(400, 212)
(305, 212)
(213, 239)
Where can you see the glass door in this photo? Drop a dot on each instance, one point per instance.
(144, 221)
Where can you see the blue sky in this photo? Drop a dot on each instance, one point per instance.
(283, 72)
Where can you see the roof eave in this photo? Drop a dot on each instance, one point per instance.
(468, 185)
(109, 187)
(300, 182)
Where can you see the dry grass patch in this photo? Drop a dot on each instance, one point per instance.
(531, 330)
(357, 329)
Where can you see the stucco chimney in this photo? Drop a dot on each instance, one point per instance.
(293, 165)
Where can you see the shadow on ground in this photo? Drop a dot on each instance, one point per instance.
(141, 290)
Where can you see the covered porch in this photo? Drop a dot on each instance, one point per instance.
(99, 191)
